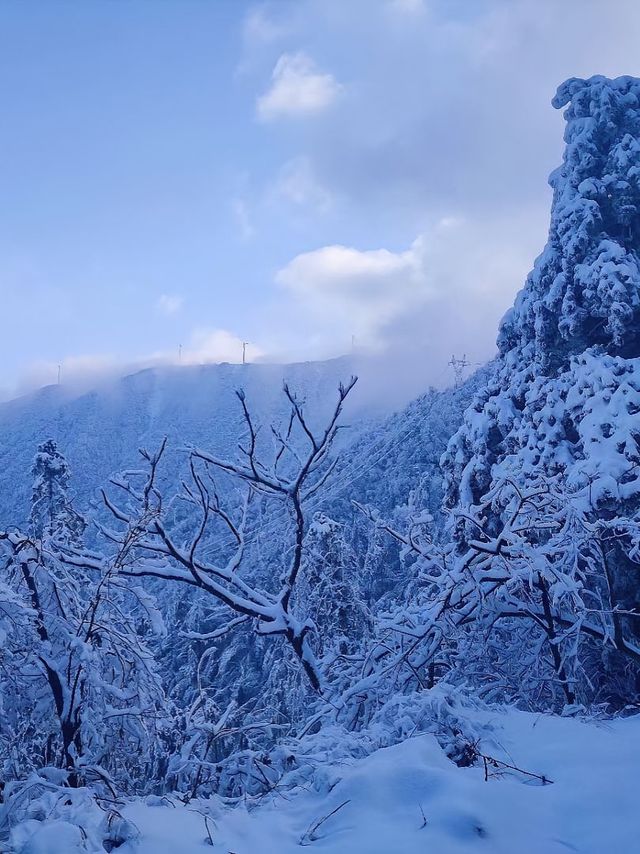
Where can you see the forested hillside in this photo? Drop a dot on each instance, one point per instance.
(100, 430)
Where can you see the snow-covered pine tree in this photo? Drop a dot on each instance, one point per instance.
(562, 407)
(574, 332)
(52, 513)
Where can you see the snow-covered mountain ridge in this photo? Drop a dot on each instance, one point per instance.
(100, 430)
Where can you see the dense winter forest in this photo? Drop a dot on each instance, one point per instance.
(262, 630)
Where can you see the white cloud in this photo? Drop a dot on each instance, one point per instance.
(444, 294)
(298, 88)
(169, 304)
(217, 345)
(357, 292)
(297, 184)
(263, 26)
(77, 372)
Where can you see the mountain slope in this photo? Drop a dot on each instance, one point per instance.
(100, 431)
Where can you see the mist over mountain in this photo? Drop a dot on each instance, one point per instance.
(101, 430)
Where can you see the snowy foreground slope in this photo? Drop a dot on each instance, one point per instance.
(410, 798)
(591, 807)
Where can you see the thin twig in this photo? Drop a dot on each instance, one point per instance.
(309, 835)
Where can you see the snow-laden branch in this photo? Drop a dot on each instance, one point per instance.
(298, 469)
(539, 558)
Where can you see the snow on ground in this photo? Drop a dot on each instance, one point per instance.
(410, 798)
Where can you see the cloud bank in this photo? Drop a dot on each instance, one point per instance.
(78, 373)
(358, 290)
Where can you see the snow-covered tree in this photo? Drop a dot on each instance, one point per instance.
(82, 679)
(563, 402)
(523, 613)
(329, 595)
(584, 292)
(52, 512)
(543, 478)
(295, 470)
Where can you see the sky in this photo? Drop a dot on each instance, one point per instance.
(308, 176)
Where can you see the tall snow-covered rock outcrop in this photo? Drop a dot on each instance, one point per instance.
(563, 402)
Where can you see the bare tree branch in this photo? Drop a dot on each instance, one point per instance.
(299, 469)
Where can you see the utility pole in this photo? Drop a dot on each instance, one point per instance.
(459, 366)
(244, 352)
(59, 372)
(179, 352)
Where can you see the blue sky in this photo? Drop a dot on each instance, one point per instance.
(287, 173)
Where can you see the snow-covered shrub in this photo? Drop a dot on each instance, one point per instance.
(80, 687)
(41, 815)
